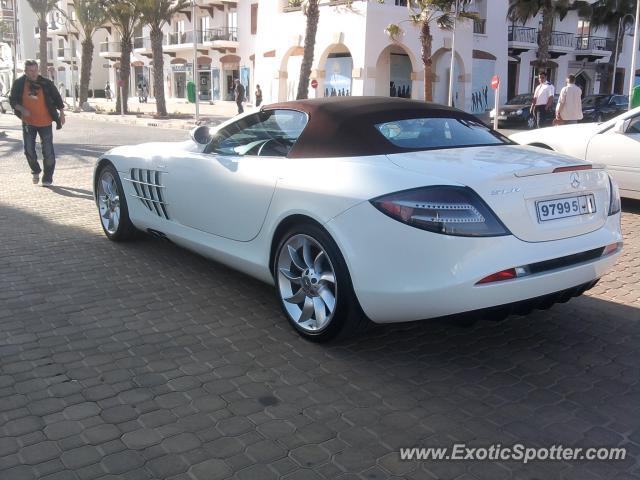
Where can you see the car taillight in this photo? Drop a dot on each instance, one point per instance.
(614, 197)
(448, 210)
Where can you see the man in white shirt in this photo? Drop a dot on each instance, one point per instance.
(542, 99)
(569, 108)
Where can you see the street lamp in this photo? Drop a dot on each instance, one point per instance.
(634, 56)
(453, 55)
(621, 26)
(195, 55)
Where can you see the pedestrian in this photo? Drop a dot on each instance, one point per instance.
(258, 96)
(37, 101)
(145, 92)
(542, 99)
(140, 99)
(63, 91)
(239, 95)
(569, 108)
(107, 91)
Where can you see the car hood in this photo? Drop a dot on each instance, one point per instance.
(562, 132)
(154, 149)
(512, 108)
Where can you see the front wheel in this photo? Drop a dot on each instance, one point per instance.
(314, 287)
(112, 205)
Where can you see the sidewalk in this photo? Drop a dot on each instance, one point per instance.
(141, 113)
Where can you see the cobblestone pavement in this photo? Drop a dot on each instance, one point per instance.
(145, 361)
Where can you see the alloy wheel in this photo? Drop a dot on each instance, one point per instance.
(307, 283)
(109, 202)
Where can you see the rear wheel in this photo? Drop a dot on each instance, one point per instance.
(314, 287)
(112, 205)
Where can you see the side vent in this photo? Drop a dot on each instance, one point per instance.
(149, 189)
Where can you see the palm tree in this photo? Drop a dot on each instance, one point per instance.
(123, 16)
(423, 13)
(523, 10)
(90, 16)
(42, 8)
(311, 9)
(611, 14)
(156, 14)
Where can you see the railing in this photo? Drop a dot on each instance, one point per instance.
(523, 34)
(480, 26)
(562, 39)
(61, 52)
(114, 47)
(49, 56)
(178, 38)
(587, 42)
(142, 42)
(229, 34)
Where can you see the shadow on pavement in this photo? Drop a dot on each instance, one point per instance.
(72, 192)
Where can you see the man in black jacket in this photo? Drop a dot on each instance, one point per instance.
(37, 102)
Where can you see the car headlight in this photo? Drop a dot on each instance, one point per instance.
(448, 210)
(519, 111)
(614, 197)
(492, 113)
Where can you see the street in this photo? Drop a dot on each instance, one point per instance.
(142, 360)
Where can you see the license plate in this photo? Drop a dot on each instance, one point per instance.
(565, 207)
(502, 117)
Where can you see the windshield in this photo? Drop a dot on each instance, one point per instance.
(593, 101)
(524, 99)
(434, 133)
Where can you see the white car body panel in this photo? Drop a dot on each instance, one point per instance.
(229, 208)
(595, 143)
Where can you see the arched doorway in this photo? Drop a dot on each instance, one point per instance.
(584, 82)
(337, 64)
(290, 73)
(441, 65)
(394, 70)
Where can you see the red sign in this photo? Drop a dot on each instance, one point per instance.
(314, 83)
(495, 81)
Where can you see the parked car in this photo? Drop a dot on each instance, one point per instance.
(598, 108)
(5, 106)
(375, 209)
(517, 112)
(615, 144)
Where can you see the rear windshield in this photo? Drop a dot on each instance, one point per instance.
(594, 101)
(521, 99)
(432, 133)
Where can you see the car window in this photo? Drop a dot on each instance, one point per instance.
(634, 126)
(270, 133)
(432, 133)
(524, 99)
(593, 101)
(621, 100)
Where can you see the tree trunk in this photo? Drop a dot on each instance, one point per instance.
(44, 61)
(85, 69)
(425, 50)
(158, 71)
(313, 16)
(125, 71)
(544, 40)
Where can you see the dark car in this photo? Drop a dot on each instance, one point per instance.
(598, 108)
(517, 112)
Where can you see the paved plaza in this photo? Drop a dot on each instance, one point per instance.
(142, 360)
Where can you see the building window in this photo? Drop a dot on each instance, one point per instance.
(254, 18)
(584, 27)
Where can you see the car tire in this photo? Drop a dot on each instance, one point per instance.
(305, 262)
(531, 122)
(112, 205)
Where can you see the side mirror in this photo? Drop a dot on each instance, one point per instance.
(201, 135)
(621, 126)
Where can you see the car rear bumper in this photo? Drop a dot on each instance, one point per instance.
(401, 273)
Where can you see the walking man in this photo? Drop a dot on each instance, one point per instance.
(239, 95)
(542, 99)
(37, 102)
(569, 108)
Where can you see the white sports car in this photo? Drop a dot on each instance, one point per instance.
(615, 143)
(371, 209)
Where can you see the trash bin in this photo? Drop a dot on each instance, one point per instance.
(191, 92)
(635, 97)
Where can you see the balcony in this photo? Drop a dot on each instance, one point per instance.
(480, 26)
(49, 57)
(65, 55)
(561, 43)
(177, 41)
(522, 39)
(110, 49)
(142, 46)
(36, 31)
(593, 48)
(222, 39)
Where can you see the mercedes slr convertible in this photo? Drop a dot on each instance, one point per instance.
(365, 209)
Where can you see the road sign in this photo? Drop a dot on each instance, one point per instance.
(314, 83)
(495, 81)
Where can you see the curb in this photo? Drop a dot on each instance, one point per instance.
(148, 122)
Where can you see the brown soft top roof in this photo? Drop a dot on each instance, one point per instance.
(345, 126)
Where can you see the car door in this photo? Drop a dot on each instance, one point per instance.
(227, 189)
(620, 152)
